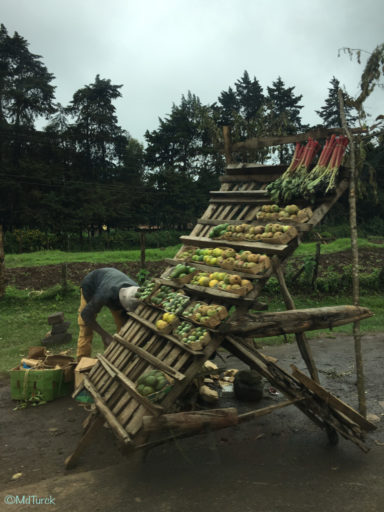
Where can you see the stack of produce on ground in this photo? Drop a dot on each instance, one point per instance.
(231, 283)
(300, 181)
(167, 322)
(195, 337)
(181, 273)
(280, 233)
(209, 315)
(146, 290)
(290, 212)
(153, 384)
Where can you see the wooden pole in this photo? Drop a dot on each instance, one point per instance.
(355, 259)
(227, 144)
(301, 339)
(2, 266)
(142, 249)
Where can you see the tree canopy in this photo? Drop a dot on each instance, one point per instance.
(84, 170)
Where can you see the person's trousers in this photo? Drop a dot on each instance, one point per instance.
(84, 342)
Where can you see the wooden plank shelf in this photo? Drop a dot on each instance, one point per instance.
(240, 194)
(150, 358)
(251, 168)
(211, 269)
(168, 337)
(107, 413)
(300, 226)
(249, 178)
(265, 248)
(240, 201)
(130, 387)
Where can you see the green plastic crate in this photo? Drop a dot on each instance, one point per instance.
(48, 384)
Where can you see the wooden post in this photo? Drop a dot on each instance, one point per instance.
(64, 282)
(227, 144)
(301, 339)
(93, 426)
(355, 260)
(142, 249)
(2, 266)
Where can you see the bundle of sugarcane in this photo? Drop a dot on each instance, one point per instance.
(288, 186)
(322, 178)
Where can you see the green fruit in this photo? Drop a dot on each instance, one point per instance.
(147, 390)
(150, 380)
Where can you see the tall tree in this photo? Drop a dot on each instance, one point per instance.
(95, 126)
(243, 108)
(26, 93)
(330, 111)
(180, 153)
(283, 114)
(250, 96)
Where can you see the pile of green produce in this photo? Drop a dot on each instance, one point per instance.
(181, 271)
(152, 382)
(288, 186)
(300, 181)
(249, 232)
(162, 295)
(146, 290)
(217, 231)
(175, 302)
(195, 336)
(206, 314)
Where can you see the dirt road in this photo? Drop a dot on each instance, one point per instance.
(280, 462)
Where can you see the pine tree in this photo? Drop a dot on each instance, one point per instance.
(250, 96)
(283, 114)
(330, 112)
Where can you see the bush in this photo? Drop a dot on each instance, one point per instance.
(31, 240)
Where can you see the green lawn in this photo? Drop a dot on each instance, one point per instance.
(23, 320)
(55, 257)
(41, 258)
(341, 244)
(23, 314)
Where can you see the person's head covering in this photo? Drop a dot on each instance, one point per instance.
(127, 297)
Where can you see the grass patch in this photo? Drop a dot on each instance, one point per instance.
(341, 244)
(374, 302)
(23, 320)
(41, 258)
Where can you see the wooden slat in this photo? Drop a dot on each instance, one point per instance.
(246, 245)
(252, 168)
(254, 178)
(332, 400)
(105, 411)
(154, 361)
(168, 337)
(324, 208)
(243, 194)
(131, 389)
(240, 200)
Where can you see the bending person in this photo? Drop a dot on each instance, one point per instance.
(103, 287)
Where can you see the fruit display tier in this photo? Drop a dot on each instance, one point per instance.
(222, 267)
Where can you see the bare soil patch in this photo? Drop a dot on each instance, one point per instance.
(41, 278)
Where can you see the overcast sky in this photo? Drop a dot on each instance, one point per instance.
(161, 49)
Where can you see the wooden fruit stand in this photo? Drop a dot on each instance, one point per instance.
(141, 346)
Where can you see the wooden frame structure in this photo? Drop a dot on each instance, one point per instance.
(140, 346)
